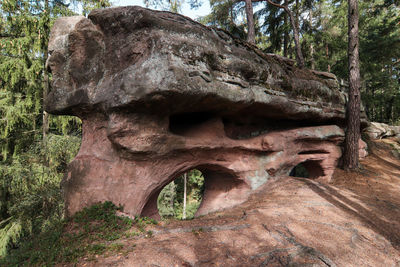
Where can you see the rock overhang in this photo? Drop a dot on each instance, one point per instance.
(160, 94)
(139, 59)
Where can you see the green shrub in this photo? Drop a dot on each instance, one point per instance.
(30, 196)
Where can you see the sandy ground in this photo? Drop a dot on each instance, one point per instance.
(353, 221)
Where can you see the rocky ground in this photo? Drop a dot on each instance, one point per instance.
(353, 221)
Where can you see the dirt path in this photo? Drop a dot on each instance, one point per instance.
(353, 221)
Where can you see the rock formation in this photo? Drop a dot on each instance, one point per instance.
(160, 94)
(388, 133)
(377, 130)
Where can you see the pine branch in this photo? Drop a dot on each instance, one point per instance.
(20, 57)
(6, 35)
(275, 4)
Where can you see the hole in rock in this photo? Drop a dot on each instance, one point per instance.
(209, 188)
(183, 123)
(171, 200)
(308, 169)
(246, 127)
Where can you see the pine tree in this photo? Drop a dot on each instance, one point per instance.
(350, 158)
(295, 27)
(251, 36)
(30, 170)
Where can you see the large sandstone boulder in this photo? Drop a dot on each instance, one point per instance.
(160, 94)
(377, 130)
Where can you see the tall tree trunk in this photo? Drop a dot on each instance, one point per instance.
(389, 109)
(297, 12)
(311, 43)
(327, 57)
(45, 126)
(290, 50)
(184, 196)
(350, 159)
(382, 106)
(172, 199)
(373, 106)
(231, 12)
(286, 33)
(251, 36)
(299, 54)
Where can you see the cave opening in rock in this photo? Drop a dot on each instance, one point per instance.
(181, 198)
(308, 169)
(214, 188)
(181, 123)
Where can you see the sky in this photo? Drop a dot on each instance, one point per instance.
(192, 13)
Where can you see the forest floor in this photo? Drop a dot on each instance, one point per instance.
(352, 221)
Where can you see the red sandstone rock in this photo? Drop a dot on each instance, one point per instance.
(160, 94)
(362, 149)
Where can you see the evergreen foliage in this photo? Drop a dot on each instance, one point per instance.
(323, 34)
(170, 199)
(172, 5)
(30, 189)
(35, 149)
(31, 166)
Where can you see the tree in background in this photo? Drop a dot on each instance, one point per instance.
(323, 40)
(171, 5)
(223, 13)
(350, 157)
(227, 14)
(379, 52)
(172, 197)
(251, 35)
(166, 201)
(35, 147)
(295, 28)
(30, 171)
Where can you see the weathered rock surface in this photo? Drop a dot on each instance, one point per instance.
(160, 94)
(388, 133)
(353, 221)
(362, 149)
(377, 130)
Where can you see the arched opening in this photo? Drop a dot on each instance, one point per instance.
(214, 188)
(181, 198)
(308, 169)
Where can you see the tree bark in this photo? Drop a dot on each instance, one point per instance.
(299, 54)
(351, 157)
(251, 36)
(184, 196)
(45, 125)
(311, 43)
(286, 34)
(327, 57)
(285, 38)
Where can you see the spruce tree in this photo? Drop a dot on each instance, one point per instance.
(30, 171)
